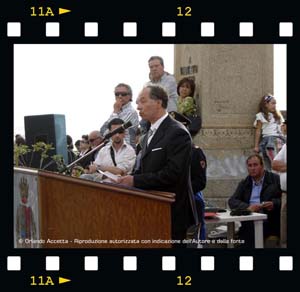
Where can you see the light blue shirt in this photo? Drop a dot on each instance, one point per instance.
(168, 82)
(256, 190)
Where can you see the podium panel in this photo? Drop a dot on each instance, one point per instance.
(69, 212)
(76, 213)
(26, 208)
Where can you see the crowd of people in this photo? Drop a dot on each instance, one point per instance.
(157, 153)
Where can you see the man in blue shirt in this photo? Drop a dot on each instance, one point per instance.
(259, 192)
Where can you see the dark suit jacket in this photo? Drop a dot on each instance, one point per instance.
(198, 169)
(165, 167)
(270, 192)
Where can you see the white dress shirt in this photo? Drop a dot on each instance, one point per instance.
(155, 126)
(124, 157)
(281, 156)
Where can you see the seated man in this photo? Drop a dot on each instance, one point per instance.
(259, 192)
(94, 139)
(124, 110)
(117, 157)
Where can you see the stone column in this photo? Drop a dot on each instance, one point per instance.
(230, 81)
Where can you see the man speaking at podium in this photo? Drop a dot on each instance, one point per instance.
(165, 158)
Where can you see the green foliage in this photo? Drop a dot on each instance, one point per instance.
(42, 148)
(19, 152)
(59, 160)
(39, 148)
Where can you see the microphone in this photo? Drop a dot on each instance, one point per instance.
(104, 141)
(118, 130)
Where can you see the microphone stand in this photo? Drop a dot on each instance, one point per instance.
(103, 142)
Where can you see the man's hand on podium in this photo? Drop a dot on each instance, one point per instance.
(126, 180)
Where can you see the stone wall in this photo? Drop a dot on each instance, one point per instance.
(230, 81)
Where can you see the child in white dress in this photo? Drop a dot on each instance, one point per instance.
(268, 136)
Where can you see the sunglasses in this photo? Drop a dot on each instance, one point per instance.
(92, 140)
(121, 93)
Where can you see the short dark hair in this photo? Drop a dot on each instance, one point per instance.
(158, 93)
(115, 121)
(69, 140)
(257, 156)
(189, 81)
(161, 60)
(20, 140)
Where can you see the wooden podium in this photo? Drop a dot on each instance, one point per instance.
(76, 213)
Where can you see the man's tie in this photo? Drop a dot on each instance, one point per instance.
(149, 136)
(146, 141)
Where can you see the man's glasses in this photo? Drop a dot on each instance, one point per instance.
(121, 93)
(92, 140)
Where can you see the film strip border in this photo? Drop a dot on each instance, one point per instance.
(282, 31)
(161, 263)
(168, 29)
(136, 271)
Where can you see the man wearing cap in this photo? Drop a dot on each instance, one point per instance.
(165, 159)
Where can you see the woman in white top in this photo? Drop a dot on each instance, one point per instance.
(268, 136)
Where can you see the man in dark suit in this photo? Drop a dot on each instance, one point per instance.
(166, 157)
(258, 192)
